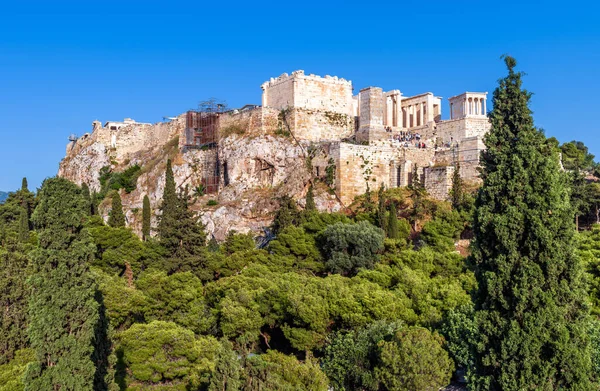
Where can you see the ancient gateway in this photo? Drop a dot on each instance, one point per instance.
(354, 142)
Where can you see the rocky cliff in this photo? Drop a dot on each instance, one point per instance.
(259, 166)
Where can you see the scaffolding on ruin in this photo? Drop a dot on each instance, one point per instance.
(202, 132)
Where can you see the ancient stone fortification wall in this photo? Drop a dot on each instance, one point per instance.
(317, 125)
(256, 122)
(310, 92)
(462, 128)
(467, 153)
(438, 181)
(359, 165)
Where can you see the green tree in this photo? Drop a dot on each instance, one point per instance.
(24, 223)
(417, 194)
(392, 225)
(310, 199)
(11, 373)
(277, 371)
(351, 357)
(169, 205)
(531, 302)
(94, 204)
(381, 210)
(24, 184)
(162, 355)
(414, 361)
(146, 213)
(14, 294)
(116, 217)
(184, 239)
(227, 375)
(287, 214)
(65, 316)
(349, 247)
(85, 192)
(457, 192)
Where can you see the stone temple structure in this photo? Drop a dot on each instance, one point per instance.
(378, 137)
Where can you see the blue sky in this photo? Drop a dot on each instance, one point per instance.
(65, 64)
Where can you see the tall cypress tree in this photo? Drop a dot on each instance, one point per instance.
(63, 309)
(381, 223)
(14, 294)
(85, 192)
(94, 204)
(531, 304)
(116, 217)
(168, 219)
(310, 199)
(457, 190)
(186, 241)
(24, 184)
(24, 222)
(392, 225)
(146, 214)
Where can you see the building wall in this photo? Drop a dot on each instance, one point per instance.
(459, 129)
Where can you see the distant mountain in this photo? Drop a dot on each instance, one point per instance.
(3, 196)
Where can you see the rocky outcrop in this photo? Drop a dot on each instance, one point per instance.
(257, 170)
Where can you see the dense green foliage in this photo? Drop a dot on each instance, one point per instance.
(64, 312)
(531, 303)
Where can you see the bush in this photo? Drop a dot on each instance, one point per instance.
(414, 361)
(349, 247)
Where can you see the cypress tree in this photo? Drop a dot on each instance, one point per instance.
(85, 192)
(14, 294)
(94, 204)
(381, 223)
(310, 199)
(116, 217)
(146, 218)
(457, 191)
(24, 223)
(531, 303)
(168, 207)
(63, 309)
(417, 193)
(186, 241)
(24, 184)
(392, 225)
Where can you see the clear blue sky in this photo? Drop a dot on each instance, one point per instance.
(65, 64)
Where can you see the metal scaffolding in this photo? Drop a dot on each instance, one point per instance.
(202, 132)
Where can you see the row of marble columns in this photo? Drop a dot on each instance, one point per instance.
(417, 112)
(474, 106)
(393, 110)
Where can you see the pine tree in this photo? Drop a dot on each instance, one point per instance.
(24, 184)
(531, 302)
(116, 217)
(24, 223)
(146, 218)
(65, 318)
(85, 192)
(286, 215)
(381, 222)
(457, 191)
(310, 199)
(392, 225)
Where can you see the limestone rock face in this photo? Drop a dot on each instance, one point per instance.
(255, 171)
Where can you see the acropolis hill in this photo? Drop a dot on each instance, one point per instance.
(309, 129)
